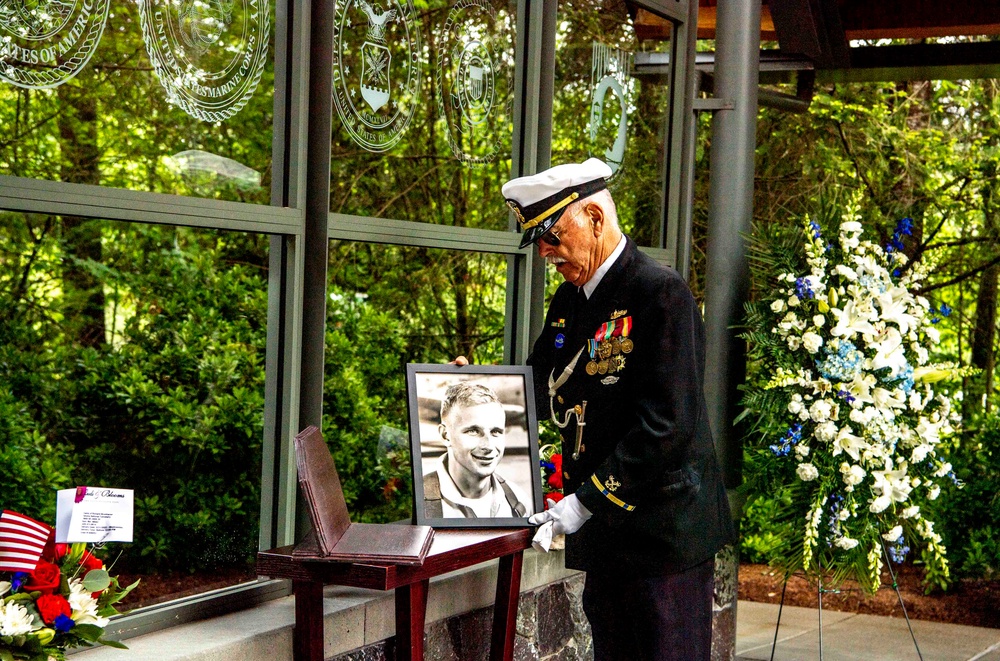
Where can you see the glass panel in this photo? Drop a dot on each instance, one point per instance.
(132, 356)
(431, 148)
(604, 109)
(388, 306)
(158, 95)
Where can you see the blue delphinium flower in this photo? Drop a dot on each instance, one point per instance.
(63, 623)
(803, 289)
(898, 550)
(840, 365)
(903, 228)
(788, 441)
(815, 228)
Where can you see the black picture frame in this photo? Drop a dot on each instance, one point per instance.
(518, 466)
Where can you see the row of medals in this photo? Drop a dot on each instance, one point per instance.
(609, 352)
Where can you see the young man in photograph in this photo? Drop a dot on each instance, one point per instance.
(465, 484)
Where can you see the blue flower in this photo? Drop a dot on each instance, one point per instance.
(788, 441)
(803, 289)
(898, 550)
(547, 465)
(945, 310)
(903, 379)
(840, 365)
(903, 228)
(815, 228)
(846, 396)
(63, 623)
(17, 581)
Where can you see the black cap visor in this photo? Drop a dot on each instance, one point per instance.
(532, 235)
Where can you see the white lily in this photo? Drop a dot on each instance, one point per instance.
(892, 482)
(861, 387)
(894, 306)
(849, 443)
(853, 319)
(889, 351)
(885, 399)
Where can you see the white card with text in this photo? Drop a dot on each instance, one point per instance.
(94, 515)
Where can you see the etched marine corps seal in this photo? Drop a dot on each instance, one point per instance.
(44, 43)
(476, 80)
(376, 72)
(207, 54)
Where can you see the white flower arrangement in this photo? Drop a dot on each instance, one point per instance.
(847, 406)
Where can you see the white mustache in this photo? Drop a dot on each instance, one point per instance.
(554, 261)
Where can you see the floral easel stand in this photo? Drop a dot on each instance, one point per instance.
(820, 590)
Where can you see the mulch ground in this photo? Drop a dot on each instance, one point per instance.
(972, 602)
(157, 588)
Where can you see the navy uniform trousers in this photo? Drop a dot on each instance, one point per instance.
(660, 618)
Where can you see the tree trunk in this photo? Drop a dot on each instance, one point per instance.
(984, 332)
(83, 292)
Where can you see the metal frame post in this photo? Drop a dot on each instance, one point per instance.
(317, 209)
(730, 214)
(534, 82)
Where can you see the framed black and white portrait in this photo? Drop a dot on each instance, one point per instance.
(473, 436)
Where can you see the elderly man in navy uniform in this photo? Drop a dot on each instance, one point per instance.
(619, 367)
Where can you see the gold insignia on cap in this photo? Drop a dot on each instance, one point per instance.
(517, 212)
(618, 313)
(611, 483)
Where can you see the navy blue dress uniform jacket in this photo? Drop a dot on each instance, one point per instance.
(647, 470)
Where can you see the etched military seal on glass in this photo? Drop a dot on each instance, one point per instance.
(475, 74)
(207, 54)
(609, 105)
(376, 72)
(44, 43)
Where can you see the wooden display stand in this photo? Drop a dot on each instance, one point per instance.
(451, 549)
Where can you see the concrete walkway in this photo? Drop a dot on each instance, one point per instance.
(850, 636)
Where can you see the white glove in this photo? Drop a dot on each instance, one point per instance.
(562, 518)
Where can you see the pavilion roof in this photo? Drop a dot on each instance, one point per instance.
(836, 36)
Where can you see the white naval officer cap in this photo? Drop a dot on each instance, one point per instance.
(539, 200)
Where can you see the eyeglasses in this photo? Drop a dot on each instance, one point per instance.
(550, 238)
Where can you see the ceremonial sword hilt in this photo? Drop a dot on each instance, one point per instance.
(580, 412)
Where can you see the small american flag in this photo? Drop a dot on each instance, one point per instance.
(22, 540)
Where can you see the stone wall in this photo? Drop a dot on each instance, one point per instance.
(551, 626)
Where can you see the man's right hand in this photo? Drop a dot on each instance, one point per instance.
(567, 516)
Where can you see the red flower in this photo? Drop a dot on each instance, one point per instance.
(90, 561)
(555, 497)
(54, 552)
(555, 480)
(44, 579)
(51, 606)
